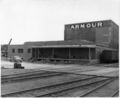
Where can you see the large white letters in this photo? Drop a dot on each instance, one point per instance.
(86, 25)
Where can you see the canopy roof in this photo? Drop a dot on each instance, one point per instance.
(60, 43)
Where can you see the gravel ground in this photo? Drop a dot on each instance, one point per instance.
(25, 85)
(72, 68)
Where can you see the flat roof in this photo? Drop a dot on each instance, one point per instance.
(74, 46)
(109, 21)
(60, 43)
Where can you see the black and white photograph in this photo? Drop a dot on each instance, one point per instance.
(59, 48)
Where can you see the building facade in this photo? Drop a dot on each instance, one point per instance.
(82, 42)
(100, 32)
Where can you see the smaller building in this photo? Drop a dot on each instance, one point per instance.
(4, 50)
(19, 50)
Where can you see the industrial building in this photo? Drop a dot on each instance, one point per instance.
(83, 42)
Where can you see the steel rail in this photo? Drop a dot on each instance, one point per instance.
(25, 73)
(92, 90)
(48, 86)
(60, 91)
(115, 93)
(24, 78)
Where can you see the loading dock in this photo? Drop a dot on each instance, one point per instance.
(63, 54)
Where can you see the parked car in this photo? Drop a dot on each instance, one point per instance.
(9, 59)
(15, 59)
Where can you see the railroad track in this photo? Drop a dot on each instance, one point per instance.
(24, 73)
(57, 93)
(116, 93)
(28, 76)
(57, 88)
(98, 87)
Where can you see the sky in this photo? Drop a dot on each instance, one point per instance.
(44, 20)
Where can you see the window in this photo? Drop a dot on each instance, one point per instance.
(13, 50)
(29, 50)
(20, 50)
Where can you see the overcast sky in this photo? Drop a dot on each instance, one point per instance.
(44, 20)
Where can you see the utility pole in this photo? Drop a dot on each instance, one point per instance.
(7, 47)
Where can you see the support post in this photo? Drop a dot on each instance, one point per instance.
(52, 52)
(32, 52)
(89, 54)
(69, 54)
(35, 52)
(38, 53)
